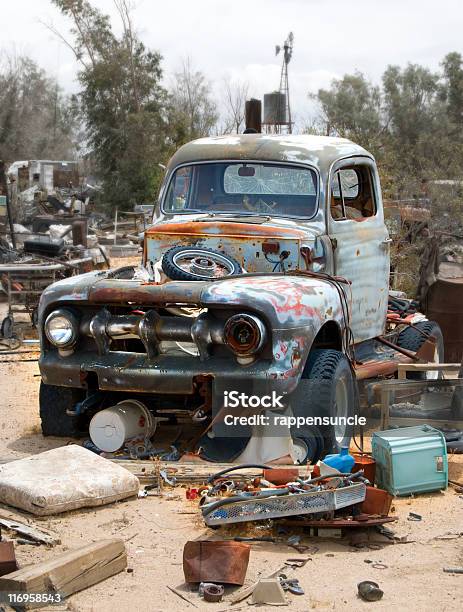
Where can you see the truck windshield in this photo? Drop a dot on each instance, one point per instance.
(233, 187)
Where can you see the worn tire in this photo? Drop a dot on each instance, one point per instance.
(54, 401)
(413, 340)
(7, 327)
(331, 379)
(175, 272)
(313, 439)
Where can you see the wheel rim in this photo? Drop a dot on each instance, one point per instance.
(341, 408)
(203, 264)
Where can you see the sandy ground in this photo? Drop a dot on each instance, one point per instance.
(155, 531)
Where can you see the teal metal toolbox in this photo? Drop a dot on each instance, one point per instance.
(410, 459)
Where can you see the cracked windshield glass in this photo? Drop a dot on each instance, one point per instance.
(248, 188)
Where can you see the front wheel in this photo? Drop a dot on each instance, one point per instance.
(328, 388)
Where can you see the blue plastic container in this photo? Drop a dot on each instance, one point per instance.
(410, 459)
(342, 461)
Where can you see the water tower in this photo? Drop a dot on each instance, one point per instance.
(277, 110)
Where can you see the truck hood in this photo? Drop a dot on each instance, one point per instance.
(243, 240)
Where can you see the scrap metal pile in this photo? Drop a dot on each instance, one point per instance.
(233, 500)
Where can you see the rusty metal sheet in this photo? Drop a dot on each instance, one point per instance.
(225, 228)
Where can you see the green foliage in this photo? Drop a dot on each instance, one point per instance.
(122, 103)
(412, 123)
(362, 123)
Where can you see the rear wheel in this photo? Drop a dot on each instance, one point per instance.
(328, 390)
(412, 339)
(54, 402)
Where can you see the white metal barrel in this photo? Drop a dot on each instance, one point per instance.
(111, 427)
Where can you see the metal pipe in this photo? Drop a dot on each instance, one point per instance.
(174, 328)
(123, 325)
(397, 348)
(126, 326)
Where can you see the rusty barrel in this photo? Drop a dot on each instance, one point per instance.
(444, 304)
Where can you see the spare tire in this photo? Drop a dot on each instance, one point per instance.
(198, 263)
(412, 339)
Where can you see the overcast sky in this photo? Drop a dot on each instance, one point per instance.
(237, 38)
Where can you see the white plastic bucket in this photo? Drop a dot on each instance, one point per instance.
(111, 427)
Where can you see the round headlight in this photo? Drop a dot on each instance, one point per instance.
(244, 334)
(61, 328)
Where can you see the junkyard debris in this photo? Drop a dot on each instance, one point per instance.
(369, 590)
(211, 592)
(70, 571)
(269, 591)
(85, 479)
(221, 562)
(7, 558)
(422, 446)
(30, 532)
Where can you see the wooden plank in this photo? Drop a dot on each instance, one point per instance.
(403, 368)
(71, 571)
(30, 531)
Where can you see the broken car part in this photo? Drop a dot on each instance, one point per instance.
(369, 590)
(211, 592)
(279, 503)
(112, 427)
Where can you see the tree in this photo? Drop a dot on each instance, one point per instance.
(36, 120)
(234, 96)
(352, 108)
(192, 110)
(122, 101)
(412, 123)
(452, 88)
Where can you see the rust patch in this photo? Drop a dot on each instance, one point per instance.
(224, 228)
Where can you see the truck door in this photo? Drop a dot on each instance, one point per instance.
(360, 241)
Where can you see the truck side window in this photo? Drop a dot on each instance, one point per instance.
(178, 189)
(352, 194)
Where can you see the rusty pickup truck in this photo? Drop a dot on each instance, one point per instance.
(266, 268)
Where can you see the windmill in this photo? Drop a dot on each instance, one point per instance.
(277, 109)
